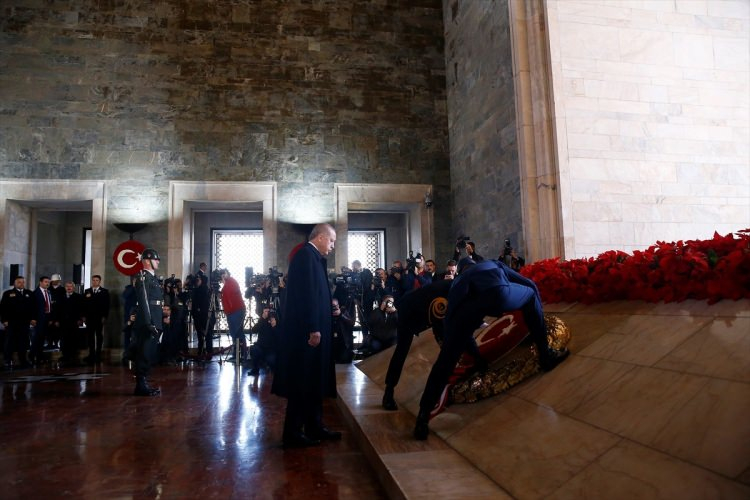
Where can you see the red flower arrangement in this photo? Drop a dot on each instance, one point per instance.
(710, 270)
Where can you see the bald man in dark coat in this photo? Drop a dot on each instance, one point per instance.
(306, 372)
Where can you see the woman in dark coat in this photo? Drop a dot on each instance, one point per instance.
(306, 372)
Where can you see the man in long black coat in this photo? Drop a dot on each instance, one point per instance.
(16, 312)
(306, 372)
(70, 315)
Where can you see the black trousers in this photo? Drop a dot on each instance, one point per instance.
(396, 366)
(467, 317)
(37, 339)
(95, 337)
(304, 406)
(144, 351)
(69, 341)
(16, 340)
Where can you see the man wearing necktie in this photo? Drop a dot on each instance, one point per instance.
(96, 309)
(41, 320)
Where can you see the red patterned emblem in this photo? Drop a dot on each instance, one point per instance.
(494, 341)
(127, 257)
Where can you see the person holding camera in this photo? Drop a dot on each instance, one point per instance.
(510, 257)
(343, 331)
(377, 290)
(383, 323)
(451, 270)
(394, 282)
(149, 321)
(263, 351)
(470, 247)
(234, 306)
(203, 319)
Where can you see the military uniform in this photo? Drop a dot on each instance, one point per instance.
(16, 309)
(146, 329)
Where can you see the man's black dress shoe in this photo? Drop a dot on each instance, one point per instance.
(422, 429)
(388, 402)
(324, 434)
(553, 358)
(299, 441)
(143, 389)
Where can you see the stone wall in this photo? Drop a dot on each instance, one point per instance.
(652, 120)
(485, 174)
(302, 93)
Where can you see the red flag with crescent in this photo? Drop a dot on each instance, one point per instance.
(127, 257)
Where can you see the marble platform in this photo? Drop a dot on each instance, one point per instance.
(654, 402)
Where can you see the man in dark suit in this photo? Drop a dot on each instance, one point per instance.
(16, 310)
(421, 309)
(42, 318)
(306, 372)
(70, 317)
(96, 309)
(488, 288)
(203, 318)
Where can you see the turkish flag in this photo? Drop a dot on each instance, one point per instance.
(127, 257)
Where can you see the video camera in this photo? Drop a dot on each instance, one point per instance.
(214, 282)
(351, 281)
(413, 260)
(253, 281)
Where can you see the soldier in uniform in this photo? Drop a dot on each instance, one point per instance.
(148, 322)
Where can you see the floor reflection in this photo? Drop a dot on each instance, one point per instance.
(214, 432)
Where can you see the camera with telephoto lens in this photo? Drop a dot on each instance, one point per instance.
(275, 276)
(461, 241)
(351, 282)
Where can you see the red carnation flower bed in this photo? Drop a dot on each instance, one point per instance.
(710, 270)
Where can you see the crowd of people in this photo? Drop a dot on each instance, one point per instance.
(305, 322)
(53, 316)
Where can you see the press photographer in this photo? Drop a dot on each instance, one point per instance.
(264, 351)
(464, 243)
(383, 325)
(377, 287)
(352, 284)
(267, 289)
(394, 282)
(204, 317)
(353, 290)
(343, 331)
(510, 258)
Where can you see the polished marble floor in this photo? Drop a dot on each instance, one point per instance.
(654, 402)
(214, 433)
